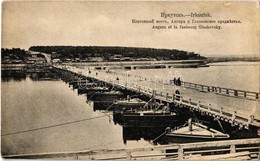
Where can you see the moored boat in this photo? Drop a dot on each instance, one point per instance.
(109, 96)
(127, 104)
(193, 132)
(83, 85)
(119, 105)
(146, 118)
(92, 90)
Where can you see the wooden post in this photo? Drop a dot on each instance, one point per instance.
(234, 115)
(199, 105)
(235, 92)
(244, 94)
(128, 154)
(221, 109)
(180, 152)
(232, 148)
(251, 119)
(75, 157)
(256, 96)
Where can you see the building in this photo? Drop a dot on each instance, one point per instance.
(56, 61)
(95, 59)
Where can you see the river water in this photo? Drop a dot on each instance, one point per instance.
(236, 75)
(31, 104)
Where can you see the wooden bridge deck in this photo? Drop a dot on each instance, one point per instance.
(242, 149)
(238, 111)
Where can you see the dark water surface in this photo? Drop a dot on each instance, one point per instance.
(28, 104)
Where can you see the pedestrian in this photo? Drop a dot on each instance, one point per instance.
(178, 81)
(177, 95)
(174, 81)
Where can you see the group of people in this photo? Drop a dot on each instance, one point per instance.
(177, 81)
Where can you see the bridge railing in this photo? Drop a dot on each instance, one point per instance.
(216, 111)
(222, 90)
(227, 149)
(204, 88)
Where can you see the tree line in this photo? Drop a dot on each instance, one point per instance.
(13, 54)
(83, 52)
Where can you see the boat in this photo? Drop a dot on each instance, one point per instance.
(78, 81)
(146, 118)
(119, 105)
(109, 96)
(84, 85)
(127, 104)
(91, 90)
(194, 132)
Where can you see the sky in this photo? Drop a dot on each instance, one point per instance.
(44, 23)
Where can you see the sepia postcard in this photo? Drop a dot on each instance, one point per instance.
(132, 80)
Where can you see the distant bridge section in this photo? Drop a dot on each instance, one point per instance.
(140, 64)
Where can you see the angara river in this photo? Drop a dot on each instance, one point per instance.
(28, 104)
(236, 75)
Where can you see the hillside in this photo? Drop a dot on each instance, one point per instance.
(115, 53)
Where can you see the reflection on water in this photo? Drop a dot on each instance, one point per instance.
(19, 75)
(14, 75)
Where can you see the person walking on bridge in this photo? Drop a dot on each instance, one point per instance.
(177, 95)
(178, 82)
(174, 81)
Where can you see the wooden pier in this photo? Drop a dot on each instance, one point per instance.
(242, 149)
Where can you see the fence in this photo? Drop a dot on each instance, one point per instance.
(227, 149)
